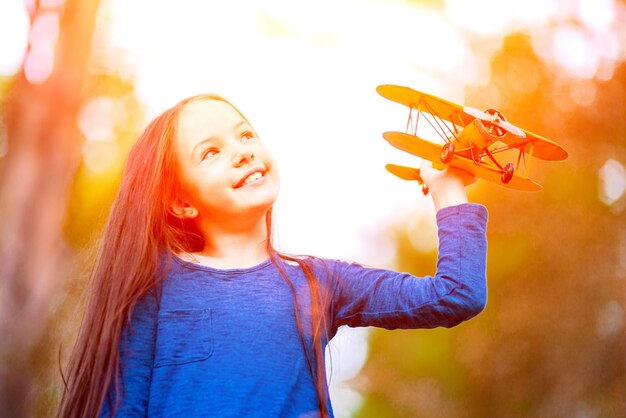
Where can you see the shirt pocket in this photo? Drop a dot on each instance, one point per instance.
(183, 336)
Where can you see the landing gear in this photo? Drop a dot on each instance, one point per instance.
(447, 153)
(507, 174)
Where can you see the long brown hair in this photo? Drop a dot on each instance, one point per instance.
(139, 233)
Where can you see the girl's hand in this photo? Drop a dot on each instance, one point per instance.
(447, 187)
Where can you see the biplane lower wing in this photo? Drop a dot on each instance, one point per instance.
(405, 173)
(431, 151)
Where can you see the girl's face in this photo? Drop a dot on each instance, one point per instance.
(227, 174)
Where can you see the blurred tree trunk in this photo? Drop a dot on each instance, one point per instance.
(35, 178)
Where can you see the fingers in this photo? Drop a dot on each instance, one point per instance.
(432, 176)
(466, 177)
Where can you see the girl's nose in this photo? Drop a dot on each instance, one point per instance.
(242, 156)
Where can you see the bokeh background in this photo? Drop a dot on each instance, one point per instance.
(79, 79)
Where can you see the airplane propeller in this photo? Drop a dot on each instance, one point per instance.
(496, 119)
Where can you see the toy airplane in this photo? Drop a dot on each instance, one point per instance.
(472, 139)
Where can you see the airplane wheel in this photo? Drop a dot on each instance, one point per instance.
(447, 153)
(507, 174)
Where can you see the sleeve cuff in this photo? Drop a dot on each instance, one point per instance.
(463, 209)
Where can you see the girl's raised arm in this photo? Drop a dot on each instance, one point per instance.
(375, 297)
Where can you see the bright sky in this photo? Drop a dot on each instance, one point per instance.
(305, 74)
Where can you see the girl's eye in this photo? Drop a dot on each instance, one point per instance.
(247, 136)
(209, 153)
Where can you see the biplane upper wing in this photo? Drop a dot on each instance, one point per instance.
(426, 103)
(430, 151)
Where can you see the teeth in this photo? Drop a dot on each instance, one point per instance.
(252, 177)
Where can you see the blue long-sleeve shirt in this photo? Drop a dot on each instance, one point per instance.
(224, 343)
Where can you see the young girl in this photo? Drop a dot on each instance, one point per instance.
(192, 312)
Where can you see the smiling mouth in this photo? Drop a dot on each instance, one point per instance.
(251, 178)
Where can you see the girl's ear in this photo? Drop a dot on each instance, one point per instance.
(183, 209)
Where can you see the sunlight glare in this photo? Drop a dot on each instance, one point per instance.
(596, 14)
(573, 50)
(14, 25)
(45, 28)
(97, 119)
(612, 178)
(39, 63)
(44, 32)
(441, 48)
(533, 13)
(51, 4)
(345, 356)
(315, 20)
(99, 157)
(610, 319)
(583, 92)
(485, 17)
